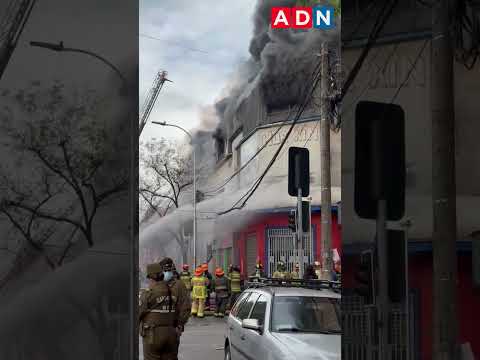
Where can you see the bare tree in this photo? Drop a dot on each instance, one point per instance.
(166, 172)
(60, 175)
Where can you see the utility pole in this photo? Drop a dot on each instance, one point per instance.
(325, 176)
(444, 235)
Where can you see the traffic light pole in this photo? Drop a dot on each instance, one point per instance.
(300, 230)
(382, 304)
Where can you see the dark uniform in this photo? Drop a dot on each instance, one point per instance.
(164, 309)
(221, 290)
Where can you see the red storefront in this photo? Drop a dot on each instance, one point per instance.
(268, 238)
(420, 284)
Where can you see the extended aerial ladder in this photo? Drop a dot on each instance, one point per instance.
(152, 98)
(17, 14)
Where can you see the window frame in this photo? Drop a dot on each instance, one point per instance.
(249, 311)
(265, 311)
(237, 304)
(321, 297)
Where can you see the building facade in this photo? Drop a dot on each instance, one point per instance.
(399, 64)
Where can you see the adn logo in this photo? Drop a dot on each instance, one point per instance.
(320, 17)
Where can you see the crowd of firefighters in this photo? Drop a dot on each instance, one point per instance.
(219, 292)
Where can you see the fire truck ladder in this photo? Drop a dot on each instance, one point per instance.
(17, 14)
(152, 98)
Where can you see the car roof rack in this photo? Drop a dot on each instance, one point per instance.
(294, 283)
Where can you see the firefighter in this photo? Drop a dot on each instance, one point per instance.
(258, 274)
(221, 290)
(234, 286)
(281, 272)
(186, 277)
(209, 279)
(296, 273)
(338, 271)
(318, 269)
(199, 293)
(163, 312)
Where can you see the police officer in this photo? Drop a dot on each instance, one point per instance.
(281, 271)
(221, 291)
(186, 277)
(163, 312)
(234, 284)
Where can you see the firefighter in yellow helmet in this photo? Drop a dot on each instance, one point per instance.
(199, 293)
(163, 312)
(281, 272)
(186, 277)
(258, 273)
(220, 286)
(296, 272)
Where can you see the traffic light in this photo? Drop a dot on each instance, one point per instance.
(365, 277)
(306, 216)
(292, 221)
(379, 159)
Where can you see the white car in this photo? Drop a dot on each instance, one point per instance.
(284, 322)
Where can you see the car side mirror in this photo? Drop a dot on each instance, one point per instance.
(252, 324)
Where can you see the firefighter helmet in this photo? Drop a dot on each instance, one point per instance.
(219, 272)
(185, 267)
(198, 271)
(204, 266)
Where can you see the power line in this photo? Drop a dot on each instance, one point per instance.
(382, 19)
(174, 43)
(243, 200)
(346, 109)
(414, 65)
(283, 123)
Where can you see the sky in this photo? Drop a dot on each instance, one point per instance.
(200, 44)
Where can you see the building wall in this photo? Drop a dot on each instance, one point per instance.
(420, 280)
(374, 85)
(260, 227)
(420, 274)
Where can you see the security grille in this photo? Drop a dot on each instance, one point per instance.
(281, 246)
(359, 336)
(251, 252)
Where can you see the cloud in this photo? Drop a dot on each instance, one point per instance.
(221, 30)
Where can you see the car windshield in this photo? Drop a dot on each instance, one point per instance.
(306, 314)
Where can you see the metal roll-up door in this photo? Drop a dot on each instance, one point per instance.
(251, 253)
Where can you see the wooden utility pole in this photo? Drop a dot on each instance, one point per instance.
(444, 236)
(325, 175)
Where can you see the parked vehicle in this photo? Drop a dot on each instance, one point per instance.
(280, 322)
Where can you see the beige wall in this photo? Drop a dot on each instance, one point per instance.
(414, 98)
(303, 135)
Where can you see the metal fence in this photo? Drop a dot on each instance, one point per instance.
(281, 246)
(359, 336)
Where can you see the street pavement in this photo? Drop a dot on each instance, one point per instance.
(202, 339)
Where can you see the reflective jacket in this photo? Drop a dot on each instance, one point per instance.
(199, 287)
(235, 282)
